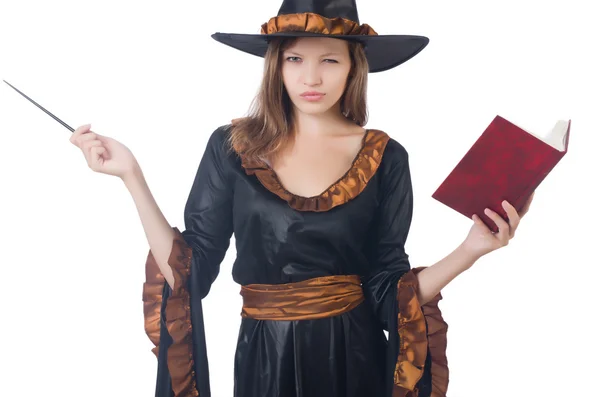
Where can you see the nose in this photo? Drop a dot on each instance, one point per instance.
(311, 75)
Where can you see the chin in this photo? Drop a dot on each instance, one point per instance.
(313, 111)
(313, 108)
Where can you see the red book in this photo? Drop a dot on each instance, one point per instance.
(505, 163)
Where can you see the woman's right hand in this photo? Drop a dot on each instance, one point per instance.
(104, 154)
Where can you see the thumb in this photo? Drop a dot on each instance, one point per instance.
(477, 220)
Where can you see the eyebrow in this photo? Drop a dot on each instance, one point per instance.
(324, 55)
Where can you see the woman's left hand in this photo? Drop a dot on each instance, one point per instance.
(481, 240)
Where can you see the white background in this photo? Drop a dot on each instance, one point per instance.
(150, 75)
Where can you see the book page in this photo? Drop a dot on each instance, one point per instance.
(555, 137)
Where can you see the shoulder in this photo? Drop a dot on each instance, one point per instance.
(218, 143)
(393, 153)
(219, 136)
(217, 149)
(394, 170)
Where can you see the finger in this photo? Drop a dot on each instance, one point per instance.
(477, 220)
(77, 133)
(96, 159)
(87, 153)
(513, 217)
(86, 146)
(86, 136)
(89, 142)
(503, 227)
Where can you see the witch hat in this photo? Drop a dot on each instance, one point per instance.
(328, 18)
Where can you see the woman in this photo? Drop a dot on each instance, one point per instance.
(321, 208)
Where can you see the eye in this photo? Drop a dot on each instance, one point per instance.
(293, 59)
(330, 61)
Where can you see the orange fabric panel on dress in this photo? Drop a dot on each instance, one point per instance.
(315, 23)
(177, 316)
(420, 328)
(437, 336)
(152, 298)
(349, 186)
(305, 300)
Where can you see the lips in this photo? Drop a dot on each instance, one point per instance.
(312, 95)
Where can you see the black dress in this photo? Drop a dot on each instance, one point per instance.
(356, 227)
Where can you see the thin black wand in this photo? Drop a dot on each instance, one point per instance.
(39, 106)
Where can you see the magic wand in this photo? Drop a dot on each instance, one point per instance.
(39, 106)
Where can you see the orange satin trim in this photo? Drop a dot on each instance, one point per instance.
(420, 328)
(152, 298)
(345, 189)
(180, 361)
(315, 23)
(305, 300)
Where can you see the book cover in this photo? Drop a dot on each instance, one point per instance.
(505, 163)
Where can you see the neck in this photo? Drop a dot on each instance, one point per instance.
(328, 123)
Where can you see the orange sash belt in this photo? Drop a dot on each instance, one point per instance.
(305, 300)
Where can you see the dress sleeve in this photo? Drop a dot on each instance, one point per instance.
(416, 358)
(173, 317)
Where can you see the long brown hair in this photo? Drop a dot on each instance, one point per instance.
(269, 124)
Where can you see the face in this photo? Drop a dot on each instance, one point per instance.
(315, 71)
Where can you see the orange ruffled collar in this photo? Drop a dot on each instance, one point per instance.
(346, 188)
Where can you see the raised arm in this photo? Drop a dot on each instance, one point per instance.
(158, 231)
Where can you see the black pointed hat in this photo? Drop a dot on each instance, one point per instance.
(328, 18)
